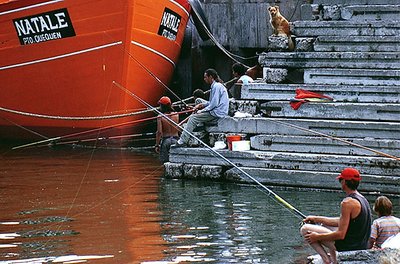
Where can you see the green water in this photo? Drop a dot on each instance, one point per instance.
(105, 206)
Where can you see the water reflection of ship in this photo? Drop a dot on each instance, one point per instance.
(59, 60)
(67, 205)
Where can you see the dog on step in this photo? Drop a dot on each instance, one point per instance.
(280, 25)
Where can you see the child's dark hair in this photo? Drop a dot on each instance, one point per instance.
(239, 68)
(198, 93)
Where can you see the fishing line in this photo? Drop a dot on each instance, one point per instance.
(148, 71)
(221, 47)
(334, 138)
(215, 41)
(85, 173)
(24, 128)
(106, 138)
(121, 192)
(294, 11)
(93, 151)
(91, 131)
(152, 173)
(86, 169)
(295, 211)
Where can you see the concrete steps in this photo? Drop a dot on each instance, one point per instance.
(288, 161)
(323, 145)
(370, 12)
(344, 28)
(353, 60)
(352, 76)
(281, 177)
(351, 53)
(351, 12)
(357, 44)
(283, 126)
(313, 179)
(344, 111)
(355, 2)
(342, 93)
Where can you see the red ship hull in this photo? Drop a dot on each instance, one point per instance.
(60, 62)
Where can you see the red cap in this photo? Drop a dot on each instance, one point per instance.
(164, 100)
(349, 174)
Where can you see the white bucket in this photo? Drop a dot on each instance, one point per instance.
(241, 145)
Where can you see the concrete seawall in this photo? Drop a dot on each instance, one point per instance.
(339, 54)
(347, 50)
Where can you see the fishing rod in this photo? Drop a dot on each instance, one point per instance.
(334, 138)
(91, 131)
(270, 192)
(24, 128)
(150, 72)
(105, 138)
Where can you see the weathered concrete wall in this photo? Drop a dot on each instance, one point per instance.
(241, 26)
(245, 23)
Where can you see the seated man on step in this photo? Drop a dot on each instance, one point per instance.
(209, 111)
(350, 231)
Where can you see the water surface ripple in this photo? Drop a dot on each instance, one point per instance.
(64, 205)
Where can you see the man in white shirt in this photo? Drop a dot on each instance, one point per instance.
(208, 111)
(239, 72)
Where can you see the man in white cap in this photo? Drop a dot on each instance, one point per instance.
(350, 231)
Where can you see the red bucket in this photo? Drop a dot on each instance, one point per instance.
(230, 139)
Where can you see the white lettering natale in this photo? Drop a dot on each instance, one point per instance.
(40, 24)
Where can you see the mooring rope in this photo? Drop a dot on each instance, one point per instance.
(74, 117)
(93, 130)
(215, 41)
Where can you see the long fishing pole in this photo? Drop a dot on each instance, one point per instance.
(335, 138)
(24, 128)
(270, 192)
(155, 77)
(105, 138)
(90, 131)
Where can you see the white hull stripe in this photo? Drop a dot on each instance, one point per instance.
(180, 6)
(55, 1)
(29, 7)
(60, 56)
(154, 51)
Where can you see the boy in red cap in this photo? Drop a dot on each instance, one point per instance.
(167, 133)
(348, 232)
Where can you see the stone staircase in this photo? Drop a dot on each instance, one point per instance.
(348, 50)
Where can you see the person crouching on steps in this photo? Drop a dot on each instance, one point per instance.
(209, 111)
(167, 133)
(350, 231)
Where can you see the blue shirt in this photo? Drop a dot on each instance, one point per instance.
(218, 105)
